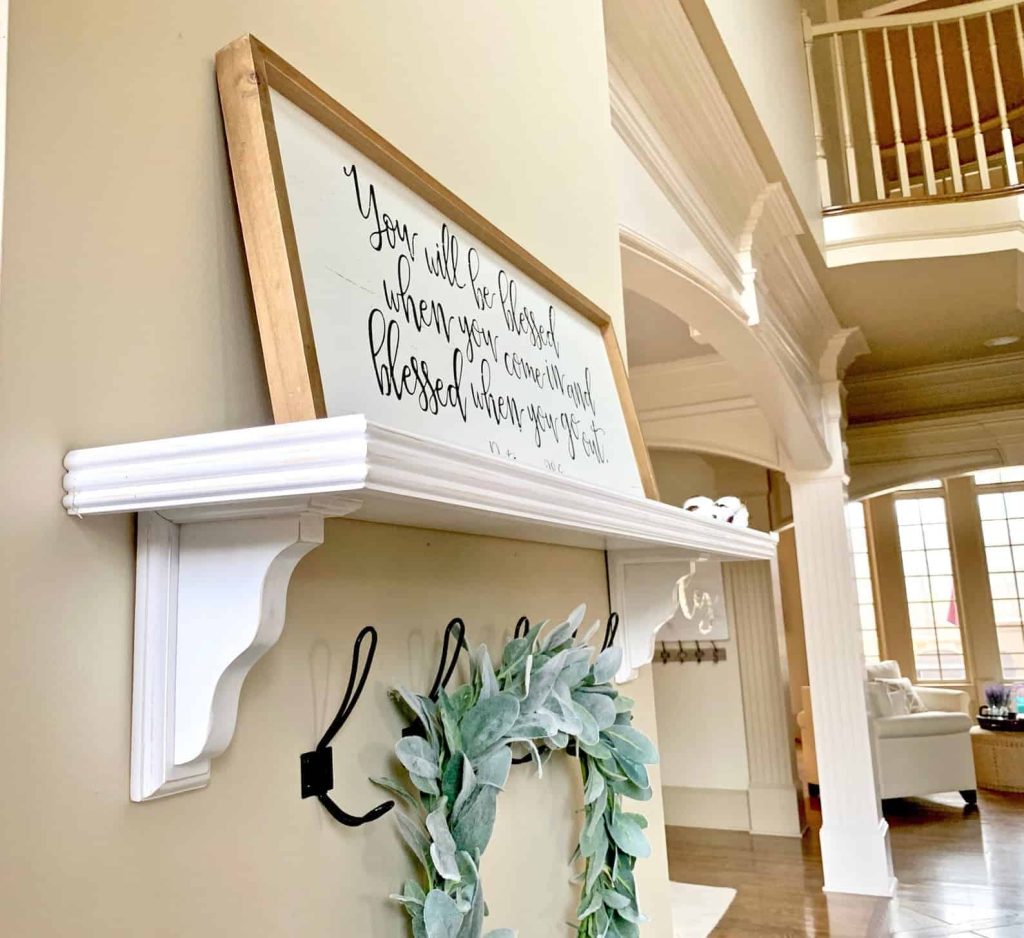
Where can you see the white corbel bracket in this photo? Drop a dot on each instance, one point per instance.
(210, 602)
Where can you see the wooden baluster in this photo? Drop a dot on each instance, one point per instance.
(819, 135)
(951, 143)
(979, 139)
(1020, 34)
(869, 106)
(997, 77)
(926, 148)
(849, 155)
(901, 150)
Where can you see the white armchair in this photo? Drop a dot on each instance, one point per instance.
(920, 753)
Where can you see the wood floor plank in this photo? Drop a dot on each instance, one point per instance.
(961, 872)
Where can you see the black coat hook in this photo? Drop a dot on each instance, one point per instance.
(522, 628)
(317, 767)
(445, 669)
(611, 629)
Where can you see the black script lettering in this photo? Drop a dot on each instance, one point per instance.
(482, 296)
(386, 228)
(582, 395)
(445, 261)
(501, 408)
(419, 313)
(524, 321)
(432, 394)
(477, 336)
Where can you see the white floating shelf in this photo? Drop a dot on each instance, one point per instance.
(225, 517)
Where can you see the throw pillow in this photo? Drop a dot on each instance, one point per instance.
(883, 670)
(879, 704)
(900, 706)
(903, 685)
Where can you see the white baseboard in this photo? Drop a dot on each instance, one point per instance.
(715, 808)
(775, 811)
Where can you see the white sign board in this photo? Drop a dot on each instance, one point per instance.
(420, 327)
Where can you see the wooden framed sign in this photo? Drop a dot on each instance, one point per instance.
(380, 292)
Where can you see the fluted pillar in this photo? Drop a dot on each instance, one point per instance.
(854, 835)
(772, 794)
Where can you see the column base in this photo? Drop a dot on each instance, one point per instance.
(857, 860)
(775, 811)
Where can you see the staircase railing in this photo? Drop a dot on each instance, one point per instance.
(918, 105)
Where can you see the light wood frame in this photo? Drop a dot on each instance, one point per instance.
(246, 72)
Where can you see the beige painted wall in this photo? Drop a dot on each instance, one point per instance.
(125, 314)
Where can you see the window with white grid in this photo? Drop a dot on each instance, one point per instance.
(856, 522)
(931, 592)
(1001, 505)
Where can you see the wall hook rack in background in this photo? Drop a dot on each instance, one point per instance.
(317, 766)
(696, 654)
(445, 669)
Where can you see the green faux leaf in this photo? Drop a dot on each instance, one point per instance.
(593, 830)
(624, 704)
(473, 826)
(601, 708)
(537, 725)
(576, 666)
(634, 771)
(488, 722)
(466, 787)
(628, 835)
(417, 755)
(473, 924)
(589, 734)
(613, 900)
(542, 680)
(493, 769)
(628, 789)
(624, 928)
(402, 793)
(441, 916)
(599, 750)
(443, 848)
(631, 744)
(426, 785)
(451, 778)
(450, 718)
(593, 902)
(515, 653)
(594, 788)
(501, 933)
(414, 838)
(607, 665)
(485, 673)
(588, 633)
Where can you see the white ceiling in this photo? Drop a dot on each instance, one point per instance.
(923, 312)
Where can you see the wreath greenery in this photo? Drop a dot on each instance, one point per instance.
(547, 694)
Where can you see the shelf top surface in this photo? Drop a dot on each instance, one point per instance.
(348, 466)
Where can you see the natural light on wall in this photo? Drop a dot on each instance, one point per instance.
(857, 524)
(931, 595)
(1001, 505)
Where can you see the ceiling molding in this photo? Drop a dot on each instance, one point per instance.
(963, 387)
(885, 455)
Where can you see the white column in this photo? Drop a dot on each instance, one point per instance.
(854, 835)
(772, 793)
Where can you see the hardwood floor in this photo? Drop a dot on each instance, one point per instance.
(961, 873)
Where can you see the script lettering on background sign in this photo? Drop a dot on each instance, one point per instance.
(420, 327)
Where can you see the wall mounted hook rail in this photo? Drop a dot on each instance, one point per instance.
(317, 766)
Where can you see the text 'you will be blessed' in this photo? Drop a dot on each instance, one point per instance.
(499, 358)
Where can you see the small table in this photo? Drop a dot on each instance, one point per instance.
(998, 759)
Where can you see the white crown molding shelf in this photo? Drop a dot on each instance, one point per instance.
(225, 517)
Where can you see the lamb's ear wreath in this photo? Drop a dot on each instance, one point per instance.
(545, 694)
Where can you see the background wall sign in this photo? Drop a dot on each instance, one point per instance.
(379, 292)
